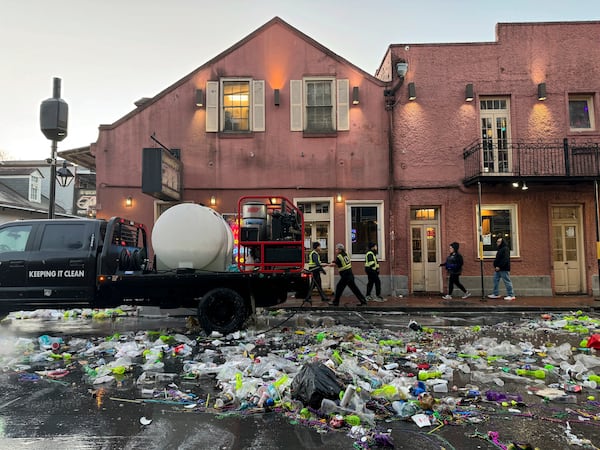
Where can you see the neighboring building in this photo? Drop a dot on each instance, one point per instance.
(517, 119)
(24, 191)
(413, 159)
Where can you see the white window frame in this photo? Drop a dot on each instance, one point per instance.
(513, 209)
(379, 204)
(340, 99)
(215, 117)
(590, 104)
(35, 188)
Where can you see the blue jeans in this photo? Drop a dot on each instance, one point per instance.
(505, 275)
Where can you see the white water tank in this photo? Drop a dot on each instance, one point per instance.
(192, 236)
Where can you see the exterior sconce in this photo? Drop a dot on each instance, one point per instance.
(199, 97)
(355, 99)
(401, 68)
(412, 91)
(515, 184)
(542, 91)
(274, 201)
(276, 97)
(469, 93)
(524, 187)
(128, 202)
(338, 197)
(213, 200)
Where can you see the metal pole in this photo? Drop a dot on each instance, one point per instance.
(480, 249)
(52, 200)
(597, 228)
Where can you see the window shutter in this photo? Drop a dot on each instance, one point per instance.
(296, 105)
(212, 106)
(343, 105)
(258, 105)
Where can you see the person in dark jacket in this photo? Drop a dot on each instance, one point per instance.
(454, 264)
(344, 264)
(372, 271)
(502, 271)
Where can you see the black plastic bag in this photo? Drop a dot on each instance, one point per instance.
(313, 383)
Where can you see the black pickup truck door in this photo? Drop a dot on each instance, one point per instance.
(62, 266)
(15, 242)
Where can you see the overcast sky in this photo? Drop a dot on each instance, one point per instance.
(111, 53)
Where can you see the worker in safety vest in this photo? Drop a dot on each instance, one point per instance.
(372, 270)
(344, 264)
(316, 269)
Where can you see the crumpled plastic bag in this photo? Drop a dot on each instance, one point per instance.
(313, 383)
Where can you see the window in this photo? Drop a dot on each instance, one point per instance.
(499, 221)
(495, 135)
(14, 239)
(581, 113)
(365, 220)
(63, 237)
(35, 192)
(319, 105)
(235, 105)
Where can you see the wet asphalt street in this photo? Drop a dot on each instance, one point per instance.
(39, 410)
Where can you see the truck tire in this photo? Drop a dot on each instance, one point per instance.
(222, 310)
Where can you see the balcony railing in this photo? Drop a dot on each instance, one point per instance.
(494, 160)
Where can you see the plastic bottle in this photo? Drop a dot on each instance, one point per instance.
(539, 373)
(348, 394)
(425, 375)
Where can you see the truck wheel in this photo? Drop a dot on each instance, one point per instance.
(222, 310)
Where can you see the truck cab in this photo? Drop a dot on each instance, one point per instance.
(47, 263)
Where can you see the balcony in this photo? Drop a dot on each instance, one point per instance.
(498, 161)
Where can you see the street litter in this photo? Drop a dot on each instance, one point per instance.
(345, 379)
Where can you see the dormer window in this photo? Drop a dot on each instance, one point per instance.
(35, 189)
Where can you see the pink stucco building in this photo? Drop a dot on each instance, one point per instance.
(279, 114)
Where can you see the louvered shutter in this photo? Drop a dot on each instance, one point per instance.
(343, 105)
(296, 105)
(212, 106)
(258, 105)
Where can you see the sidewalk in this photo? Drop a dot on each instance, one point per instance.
(435, 303)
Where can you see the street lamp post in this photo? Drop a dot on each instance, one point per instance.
(54, 116)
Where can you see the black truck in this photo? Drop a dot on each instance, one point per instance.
(70, 263)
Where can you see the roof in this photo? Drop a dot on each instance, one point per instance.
(81, 156)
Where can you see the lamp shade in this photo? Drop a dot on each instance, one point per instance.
(542, 91)
(469, 92)
(412, 91)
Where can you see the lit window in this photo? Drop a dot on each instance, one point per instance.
(236, 106)
(499, 221)
(366, 225)
(581, 113)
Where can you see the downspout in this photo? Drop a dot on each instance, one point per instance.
(392, 234)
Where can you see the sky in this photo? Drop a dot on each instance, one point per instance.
(110, 53)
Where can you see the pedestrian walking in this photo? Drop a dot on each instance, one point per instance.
(454, 264)
(372, 270)
(342, 261)
(502, 271)
(316, 269)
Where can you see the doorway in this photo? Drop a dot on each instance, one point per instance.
(426, 275)
(317, 227)
(567, 251)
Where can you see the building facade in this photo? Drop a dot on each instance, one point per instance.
(422, 154)
(499, 139)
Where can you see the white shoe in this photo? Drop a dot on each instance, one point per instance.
(447, 297)
(368, 298)
(379, 299)
(509, 298)
(467, 295)
(493, 296)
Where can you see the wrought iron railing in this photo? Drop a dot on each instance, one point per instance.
(550, 160)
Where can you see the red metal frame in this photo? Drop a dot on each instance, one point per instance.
(263, 248)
